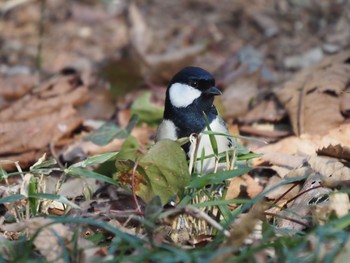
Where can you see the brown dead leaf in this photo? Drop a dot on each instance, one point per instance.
(42, 116)
(265, 111)
(253, 187)
(330, 167)
(283, 189)
(339, 203)
(14, 87)
(37, 132)
(236, 97)
(338, 151)
(25, 159)
(345, 104)
(312, 98)
(234, 188)
(50, 97)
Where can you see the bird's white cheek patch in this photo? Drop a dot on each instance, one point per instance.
(182, 95)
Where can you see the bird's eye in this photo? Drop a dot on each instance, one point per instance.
(194, 83)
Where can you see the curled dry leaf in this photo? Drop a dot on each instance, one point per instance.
(338, 151)
(312, 98)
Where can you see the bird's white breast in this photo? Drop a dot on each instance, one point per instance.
(217, 125)
(166, 130)
(182, 95)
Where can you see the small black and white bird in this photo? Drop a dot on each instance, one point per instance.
(190, 93)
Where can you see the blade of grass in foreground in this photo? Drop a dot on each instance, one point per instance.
(12, 198)
(218, 177)
(53, 197)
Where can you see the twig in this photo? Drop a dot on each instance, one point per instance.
(287, 218)
(285, 193)
(54, 155)
(303, 192)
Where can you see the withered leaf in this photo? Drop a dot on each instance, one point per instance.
(312, 97)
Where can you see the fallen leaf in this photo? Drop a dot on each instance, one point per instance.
(237, 97)
(338, 151)
(339, 203)
(253, 187)
(235, 187)
(37, 132)
(306, 95)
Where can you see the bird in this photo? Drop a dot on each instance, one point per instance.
(188, 102)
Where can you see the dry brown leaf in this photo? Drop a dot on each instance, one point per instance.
(14, 87)
(279, 191)
(330, 167)
(253, 187)
(140, 33)
(42, 116)
(37, 132)
(312, 98)
(345, 104)
(236, 97)
(338, 151)
(25, 159)
(234, 188)
(339, 203)
(48, 99)
(264, 111)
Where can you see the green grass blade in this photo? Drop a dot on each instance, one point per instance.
(218, 177)
(12, 198)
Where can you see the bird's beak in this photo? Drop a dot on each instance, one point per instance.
(213, 91)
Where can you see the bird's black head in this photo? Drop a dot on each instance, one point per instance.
(190, 93)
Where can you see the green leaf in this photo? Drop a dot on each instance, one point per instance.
(97, 159)
(129, 149)
(166, 171)
(218, 177)
(32, 189)
(106, 133)
(12, 198)
(146, 110)
(248, 156)
(79, 171)
(44, 164)
(110, 131)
